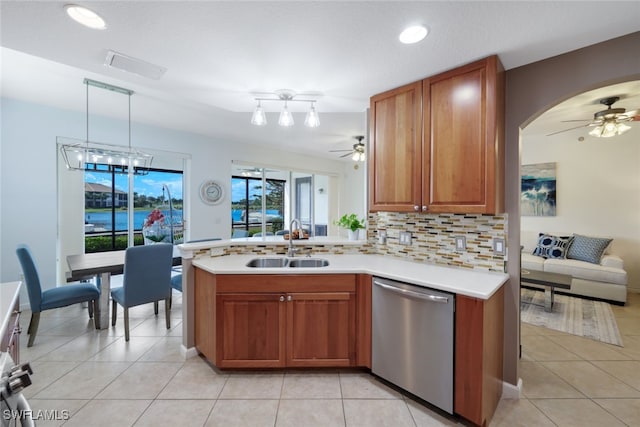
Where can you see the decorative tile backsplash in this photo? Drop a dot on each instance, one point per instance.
(433, 238)
(266, 249)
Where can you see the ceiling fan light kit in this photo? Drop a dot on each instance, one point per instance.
(357, 152)
(610, 122)
(259, 117)
(608, 129)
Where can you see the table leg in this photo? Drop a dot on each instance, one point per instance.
(548, 298)
(104, 283)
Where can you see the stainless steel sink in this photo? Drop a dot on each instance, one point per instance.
(308, 262)
(268, 262)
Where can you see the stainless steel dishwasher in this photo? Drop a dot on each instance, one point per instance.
(412, 340)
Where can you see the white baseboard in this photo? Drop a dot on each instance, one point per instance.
(188, 353)
(510, 391)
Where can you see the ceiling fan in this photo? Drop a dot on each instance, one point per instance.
(609, 122)
(356, 153)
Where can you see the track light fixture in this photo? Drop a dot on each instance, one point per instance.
(285, 96)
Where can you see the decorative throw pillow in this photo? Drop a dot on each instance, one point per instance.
(589, 249)
(552, 246)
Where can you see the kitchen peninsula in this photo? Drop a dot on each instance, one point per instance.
(257, 317)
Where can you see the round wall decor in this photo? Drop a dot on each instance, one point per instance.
(211, 192)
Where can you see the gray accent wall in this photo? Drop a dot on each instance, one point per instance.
(531, 90)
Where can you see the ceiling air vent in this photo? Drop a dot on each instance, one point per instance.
(134, 65)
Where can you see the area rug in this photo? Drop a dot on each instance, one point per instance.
(577, 316)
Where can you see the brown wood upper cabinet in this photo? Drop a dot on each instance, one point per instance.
(437, 145)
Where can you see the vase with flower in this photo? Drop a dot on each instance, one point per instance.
(154, 229)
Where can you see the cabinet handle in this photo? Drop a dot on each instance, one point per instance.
(424, 208)
(281, 298)
(416, 208)
(289, 298)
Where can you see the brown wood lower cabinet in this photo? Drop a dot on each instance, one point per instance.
(271, 321)
(321, 329)
(250, 330)
(478, 357)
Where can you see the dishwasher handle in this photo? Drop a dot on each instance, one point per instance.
(412, 294)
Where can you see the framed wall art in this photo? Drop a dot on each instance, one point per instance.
(538, 190)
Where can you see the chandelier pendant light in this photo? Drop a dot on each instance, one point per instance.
(285, 119)
(96, 156)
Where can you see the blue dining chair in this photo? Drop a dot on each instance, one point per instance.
(60, 296)
(146, 278)
(239, 233)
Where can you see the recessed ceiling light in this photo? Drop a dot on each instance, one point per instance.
(86, 17)
(413, 34)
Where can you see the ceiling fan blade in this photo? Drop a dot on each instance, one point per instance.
(634, 115)
(337, 151)
(566, 130)
(346, 155)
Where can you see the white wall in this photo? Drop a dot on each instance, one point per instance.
(598, 191)
(28, 180)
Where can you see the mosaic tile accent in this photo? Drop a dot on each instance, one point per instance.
(433, 238)
(267, 249)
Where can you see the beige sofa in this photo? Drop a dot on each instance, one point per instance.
(606, 280)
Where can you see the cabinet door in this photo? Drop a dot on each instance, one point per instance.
(250, 330)
(395, 149)
(321, 329)
(460, 129)
(478, 363)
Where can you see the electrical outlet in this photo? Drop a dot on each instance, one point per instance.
(216, 252)
(405, 238)
(461, 243)
(499, 247)
(382, 237)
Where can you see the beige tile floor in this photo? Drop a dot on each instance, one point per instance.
(97, 379)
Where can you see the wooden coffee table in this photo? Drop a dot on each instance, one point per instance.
(550, 281)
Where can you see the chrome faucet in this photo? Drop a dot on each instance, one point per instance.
(291, 252)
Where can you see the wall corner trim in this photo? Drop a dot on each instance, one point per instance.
(510, 391)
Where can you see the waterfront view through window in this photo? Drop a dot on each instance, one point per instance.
(106, 207)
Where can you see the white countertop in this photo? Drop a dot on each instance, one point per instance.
(472, 283)
(8, 294)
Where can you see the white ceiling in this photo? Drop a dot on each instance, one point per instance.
(219, 53)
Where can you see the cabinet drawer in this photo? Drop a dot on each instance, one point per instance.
(286, 283)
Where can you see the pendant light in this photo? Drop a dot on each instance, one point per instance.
(259, 118)
(95, 156)
(312, 120)
(286, 119)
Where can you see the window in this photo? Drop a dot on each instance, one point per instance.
(246, 204)
(286, 195)
(106, 215)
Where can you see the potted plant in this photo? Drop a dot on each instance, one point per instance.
(352, 224)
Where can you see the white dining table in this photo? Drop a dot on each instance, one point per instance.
(102, 265)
